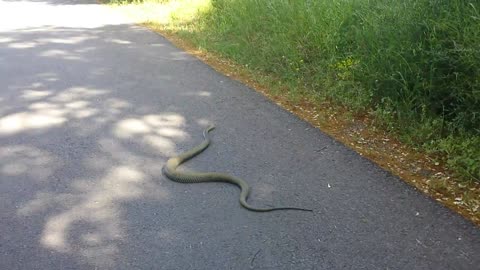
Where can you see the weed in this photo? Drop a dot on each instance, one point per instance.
(413, 64)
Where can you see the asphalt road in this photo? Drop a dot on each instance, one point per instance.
(91, 106)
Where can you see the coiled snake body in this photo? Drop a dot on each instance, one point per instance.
(170, 171)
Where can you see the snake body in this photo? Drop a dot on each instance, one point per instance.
(170, 171)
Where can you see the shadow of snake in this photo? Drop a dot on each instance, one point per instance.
(170, 171)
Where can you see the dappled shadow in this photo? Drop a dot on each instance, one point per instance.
(79, 139)
(91, 107)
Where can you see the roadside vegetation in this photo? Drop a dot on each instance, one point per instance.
(410, 68)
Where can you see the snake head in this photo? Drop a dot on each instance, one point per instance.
(205, 132)
(210, 128)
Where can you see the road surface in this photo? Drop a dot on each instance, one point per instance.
(92, 105)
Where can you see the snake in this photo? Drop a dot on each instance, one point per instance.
(171, 172)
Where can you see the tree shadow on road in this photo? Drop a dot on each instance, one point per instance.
(88, 116)
(82, 143)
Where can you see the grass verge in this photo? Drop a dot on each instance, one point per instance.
(377, 77)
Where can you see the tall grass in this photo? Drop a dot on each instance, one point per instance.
(413, 64)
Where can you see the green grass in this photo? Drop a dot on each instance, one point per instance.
(414, 65)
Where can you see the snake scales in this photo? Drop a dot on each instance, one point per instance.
(170, 171)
